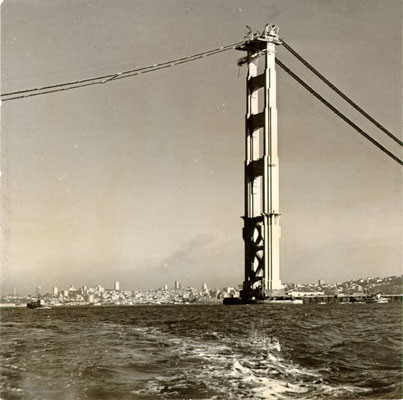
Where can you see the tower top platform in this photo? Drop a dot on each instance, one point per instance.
(256, 42)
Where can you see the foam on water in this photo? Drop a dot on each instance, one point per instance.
(254, 368)
(149, 353)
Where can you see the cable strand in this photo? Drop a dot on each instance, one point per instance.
(155, 67)
(340, 93)
(110, 77)
(337, 112)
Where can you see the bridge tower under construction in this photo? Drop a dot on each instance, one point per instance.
(261, 231)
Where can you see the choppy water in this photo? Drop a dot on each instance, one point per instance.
(203, 352)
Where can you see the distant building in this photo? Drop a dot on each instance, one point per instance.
(165, 287)
(321, 282)
(177, 285)
(90, 298)
(204, 286)
(55, 291)
(117, 286)
(99, 289)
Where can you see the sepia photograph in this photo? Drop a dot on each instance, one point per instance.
(201, 199)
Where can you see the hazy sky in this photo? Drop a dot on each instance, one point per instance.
(141, 180)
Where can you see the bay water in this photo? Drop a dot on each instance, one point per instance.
(273, 351)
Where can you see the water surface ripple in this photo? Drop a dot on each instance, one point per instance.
(203, 352)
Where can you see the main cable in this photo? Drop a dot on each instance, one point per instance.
(110, 77)
(340, 93)
(337, 112)
(167, 64)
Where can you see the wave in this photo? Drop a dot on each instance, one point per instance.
(151, 353)
(224, 368)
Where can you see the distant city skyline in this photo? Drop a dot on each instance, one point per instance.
(141, 179)
(175, 285)
(370, 290)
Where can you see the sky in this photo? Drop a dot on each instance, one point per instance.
(141, 180)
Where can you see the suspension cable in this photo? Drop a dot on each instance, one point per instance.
(115, 76)
(337, 112)
(340, 93)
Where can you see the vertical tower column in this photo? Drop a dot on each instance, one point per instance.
(261, 231)
(271, 171)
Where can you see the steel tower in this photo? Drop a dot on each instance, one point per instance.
(261, 231)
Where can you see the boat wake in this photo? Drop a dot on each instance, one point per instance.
(222, 368)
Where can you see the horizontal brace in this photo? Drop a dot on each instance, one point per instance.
(252, 220)
(255, 168)
(256, 121)
(252, 46)
(256, 82)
